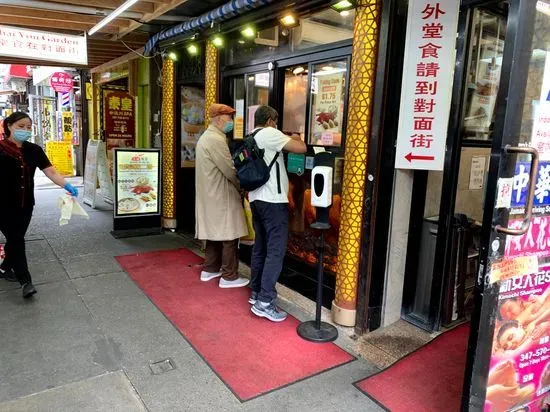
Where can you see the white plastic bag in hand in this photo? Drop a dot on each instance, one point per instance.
(69, 207)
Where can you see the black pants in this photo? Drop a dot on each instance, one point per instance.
(13, 226)
(271, 227)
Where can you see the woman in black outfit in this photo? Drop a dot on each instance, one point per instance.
(18, 162)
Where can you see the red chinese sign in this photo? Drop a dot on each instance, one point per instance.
(119, 111)
(427, 83)
(61, 82)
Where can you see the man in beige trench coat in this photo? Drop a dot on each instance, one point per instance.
(219, 212)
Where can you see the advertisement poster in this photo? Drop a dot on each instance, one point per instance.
(519, 375)
(61, 156)
(238, 131)
(540, 138)
(119, 121)
(90, 173)
(328, 109)
(192, 123)
(67, 126)
(520, 188)
(137, 182)
(536, 242)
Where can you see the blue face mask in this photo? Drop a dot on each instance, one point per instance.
(22, 135)
(228, 127)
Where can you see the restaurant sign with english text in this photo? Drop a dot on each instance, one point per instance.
(40, 45)
(427, 84)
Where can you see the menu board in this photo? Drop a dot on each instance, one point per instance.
(61, 156)
(328, 107)
(192, 123)
(137, 182)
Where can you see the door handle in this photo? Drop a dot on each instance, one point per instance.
(530, 194)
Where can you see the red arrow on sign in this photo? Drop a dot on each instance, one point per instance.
(410, 157)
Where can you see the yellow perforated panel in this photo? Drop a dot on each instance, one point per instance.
(211, 78)
(168, 139)
(363, 76)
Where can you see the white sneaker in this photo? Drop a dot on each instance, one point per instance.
(237, 283)
(206, 276)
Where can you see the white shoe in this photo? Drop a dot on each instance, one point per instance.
(237, 283)
(206, 276)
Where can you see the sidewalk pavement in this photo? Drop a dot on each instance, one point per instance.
(87, 341)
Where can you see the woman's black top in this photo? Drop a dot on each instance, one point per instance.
(17, 168)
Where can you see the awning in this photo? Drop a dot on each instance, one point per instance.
(226, 12)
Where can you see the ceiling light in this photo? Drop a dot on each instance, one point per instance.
(344, 13)
(217, 41)
(248, 32)
(298, 70)
(240, 41)
(117, 12)
(251, 78)
(342, 5)
(172, 56)
(288, 20)
(192, 49)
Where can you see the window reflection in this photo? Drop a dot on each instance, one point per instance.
(295, 97)
(257, 95)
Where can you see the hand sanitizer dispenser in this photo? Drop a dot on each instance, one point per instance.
(321, 186)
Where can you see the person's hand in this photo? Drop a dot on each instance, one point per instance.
(73, 191)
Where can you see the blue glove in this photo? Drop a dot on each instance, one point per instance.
(71, 189)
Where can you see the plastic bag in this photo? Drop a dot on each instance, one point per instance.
(69, 207)
(249, 239)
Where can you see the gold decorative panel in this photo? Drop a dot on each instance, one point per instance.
(168, 142)
(211, 78)
(363, 76)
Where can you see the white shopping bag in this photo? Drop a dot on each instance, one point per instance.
(69, 207)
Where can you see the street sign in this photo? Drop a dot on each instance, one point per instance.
(427, 84)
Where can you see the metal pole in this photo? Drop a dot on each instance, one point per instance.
(320, 271)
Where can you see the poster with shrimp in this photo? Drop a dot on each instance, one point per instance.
(519, 375)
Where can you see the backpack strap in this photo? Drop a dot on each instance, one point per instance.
(274, 160)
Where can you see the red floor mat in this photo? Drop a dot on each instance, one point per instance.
(429, 379)
(251, 356)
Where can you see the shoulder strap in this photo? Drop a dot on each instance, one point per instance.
(274, 160)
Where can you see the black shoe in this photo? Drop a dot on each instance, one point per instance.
(28, 290)
(8, 275)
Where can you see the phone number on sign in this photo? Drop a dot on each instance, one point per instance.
(534, 354)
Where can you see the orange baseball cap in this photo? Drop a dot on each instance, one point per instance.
(220, 109)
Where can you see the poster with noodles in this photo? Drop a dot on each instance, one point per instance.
(519, 375)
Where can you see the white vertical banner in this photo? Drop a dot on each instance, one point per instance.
(427, 84)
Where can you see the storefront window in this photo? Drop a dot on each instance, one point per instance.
(484, 74)
(295, 99)
(257, 95)
(328, 96)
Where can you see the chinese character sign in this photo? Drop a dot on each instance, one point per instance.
(427, 84)
(61, 82)
(521, 183)
(119, 108)
(67, 126)
(39, 45)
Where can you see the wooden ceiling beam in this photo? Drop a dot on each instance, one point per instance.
(29, 22)
(59, 16)
(147, 17)
(115, 62)
(140, 6)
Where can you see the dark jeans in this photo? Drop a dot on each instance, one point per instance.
(14, 225)
(222, 257)
(271, 227)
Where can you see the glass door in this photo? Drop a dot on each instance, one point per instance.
(509, 349)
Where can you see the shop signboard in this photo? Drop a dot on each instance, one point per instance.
(137, 182)
(192, 123)
(67, 126)
(119, 121)
(427, 84)
(61, 156)
(41, 45)
(61, 82)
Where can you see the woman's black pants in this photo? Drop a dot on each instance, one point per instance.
(13, 226)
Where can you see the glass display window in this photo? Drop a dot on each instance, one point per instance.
(295, 101)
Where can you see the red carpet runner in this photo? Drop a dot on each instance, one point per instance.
(429, 379)
(251, 356)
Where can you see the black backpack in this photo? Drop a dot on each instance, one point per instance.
(248, 159)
